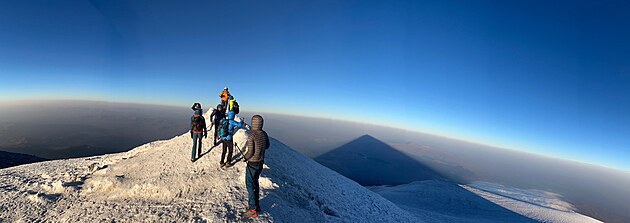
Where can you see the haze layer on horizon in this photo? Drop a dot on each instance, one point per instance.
(543, 77)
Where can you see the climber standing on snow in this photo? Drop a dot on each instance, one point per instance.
(225, 95)
(216, 117)
(226, 131)
(197, 130)
(257, 143)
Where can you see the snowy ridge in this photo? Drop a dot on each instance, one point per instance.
(157, 182)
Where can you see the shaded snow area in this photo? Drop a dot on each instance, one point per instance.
(157, 182)
(440, 201)
(536, 204)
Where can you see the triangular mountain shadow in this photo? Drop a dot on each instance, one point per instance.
(369, 162)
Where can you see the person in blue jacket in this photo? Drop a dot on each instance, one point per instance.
(226, 131)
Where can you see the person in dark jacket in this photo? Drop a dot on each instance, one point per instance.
(257, 143)
(216, 117)
(197, 130)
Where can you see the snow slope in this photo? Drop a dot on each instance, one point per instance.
(536, 204)
(440, 201)
(157, 182)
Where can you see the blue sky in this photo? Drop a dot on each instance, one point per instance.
(546, 77)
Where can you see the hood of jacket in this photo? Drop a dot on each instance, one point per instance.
(257, 123)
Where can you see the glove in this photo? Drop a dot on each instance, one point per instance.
(191, 134)
(205, 135)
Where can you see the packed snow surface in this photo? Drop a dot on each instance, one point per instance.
(157, 182)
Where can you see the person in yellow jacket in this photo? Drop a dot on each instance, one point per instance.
(225, 94)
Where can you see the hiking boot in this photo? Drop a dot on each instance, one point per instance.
(222, 164)
(250, 214)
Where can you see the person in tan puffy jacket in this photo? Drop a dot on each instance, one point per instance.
(257, 143)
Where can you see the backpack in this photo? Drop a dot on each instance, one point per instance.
(224, 129)
(197, 124)
(235, 107)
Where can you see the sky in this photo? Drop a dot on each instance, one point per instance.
(547, 77)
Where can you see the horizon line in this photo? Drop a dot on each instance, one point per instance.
(421, 131)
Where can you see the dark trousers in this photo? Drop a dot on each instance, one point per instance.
(196, 150)
(225, 104)
(251, 181)
(216, 130)
(228, 145)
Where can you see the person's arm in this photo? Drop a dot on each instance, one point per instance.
(234, 126)
(250, 148)
(214, 112)
(191, 124)
(205, 130)
(240, 124)
(246, 126)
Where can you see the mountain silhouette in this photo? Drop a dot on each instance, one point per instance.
(9, 159)
(370, 162)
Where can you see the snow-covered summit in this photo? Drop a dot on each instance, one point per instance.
(157, 182)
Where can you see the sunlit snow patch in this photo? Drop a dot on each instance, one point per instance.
(540, 205)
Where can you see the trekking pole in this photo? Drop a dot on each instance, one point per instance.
(239, 149)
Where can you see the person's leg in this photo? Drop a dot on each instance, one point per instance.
(230, 145)
(223, 152)
(200, 148)
(249, 182)
(256, 187)
(194, 147)
(216, 129)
